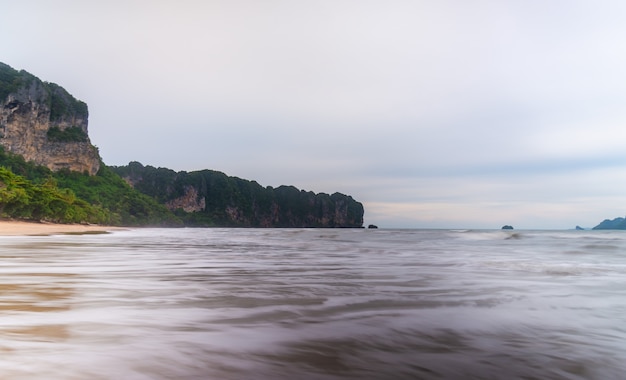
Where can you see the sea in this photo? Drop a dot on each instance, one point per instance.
(324, 304)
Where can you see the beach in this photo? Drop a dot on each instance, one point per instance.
(22, 228)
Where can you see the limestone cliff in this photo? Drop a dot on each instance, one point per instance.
(44, 123)
(211, 198)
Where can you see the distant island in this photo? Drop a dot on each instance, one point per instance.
(611, 224)
(507, 227)
(50, 171)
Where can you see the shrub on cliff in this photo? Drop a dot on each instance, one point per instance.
(63, 104)
(11, 80)
(71, 134)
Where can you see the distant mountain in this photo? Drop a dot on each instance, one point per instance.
(614, 224)
(49, 170)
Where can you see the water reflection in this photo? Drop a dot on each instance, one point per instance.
(23, 294)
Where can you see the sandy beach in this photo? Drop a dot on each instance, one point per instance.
(16, 228)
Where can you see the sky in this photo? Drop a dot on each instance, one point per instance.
(433, 114)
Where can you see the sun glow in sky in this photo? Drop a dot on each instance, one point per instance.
(443, 114)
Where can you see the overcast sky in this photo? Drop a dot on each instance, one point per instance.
(443, 114)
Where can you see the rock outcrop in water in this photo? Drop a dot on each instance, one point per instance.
(209, 197)
(44, 123)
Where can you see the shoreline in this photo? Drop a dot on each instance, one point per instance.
(24, 228)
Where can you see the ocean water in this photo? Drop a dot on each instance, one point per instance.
(314, 304)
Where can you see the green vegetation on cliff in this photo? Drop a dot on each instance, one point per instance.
(71, 134)
(24, 199)
(63, 104)
(103, 198)
(60, 102)
(128, 206)
(11, 80)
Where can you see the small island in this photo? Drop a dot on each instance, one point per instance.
(507, 227)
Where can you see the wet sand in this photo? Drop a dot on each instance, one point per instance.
(20, 228)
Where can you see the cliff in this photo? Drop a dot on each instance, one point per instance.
(206, 197)
(51, 171)
(44, 123)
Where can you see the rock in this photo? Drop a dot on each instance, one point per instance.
(372, 226)
(189, 202)
(507, 227)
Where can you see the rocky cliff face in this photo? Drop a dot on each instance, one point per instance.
(44, 123)
(191, 201)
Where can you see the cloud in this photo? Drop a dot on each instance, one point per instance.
(412, 107)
